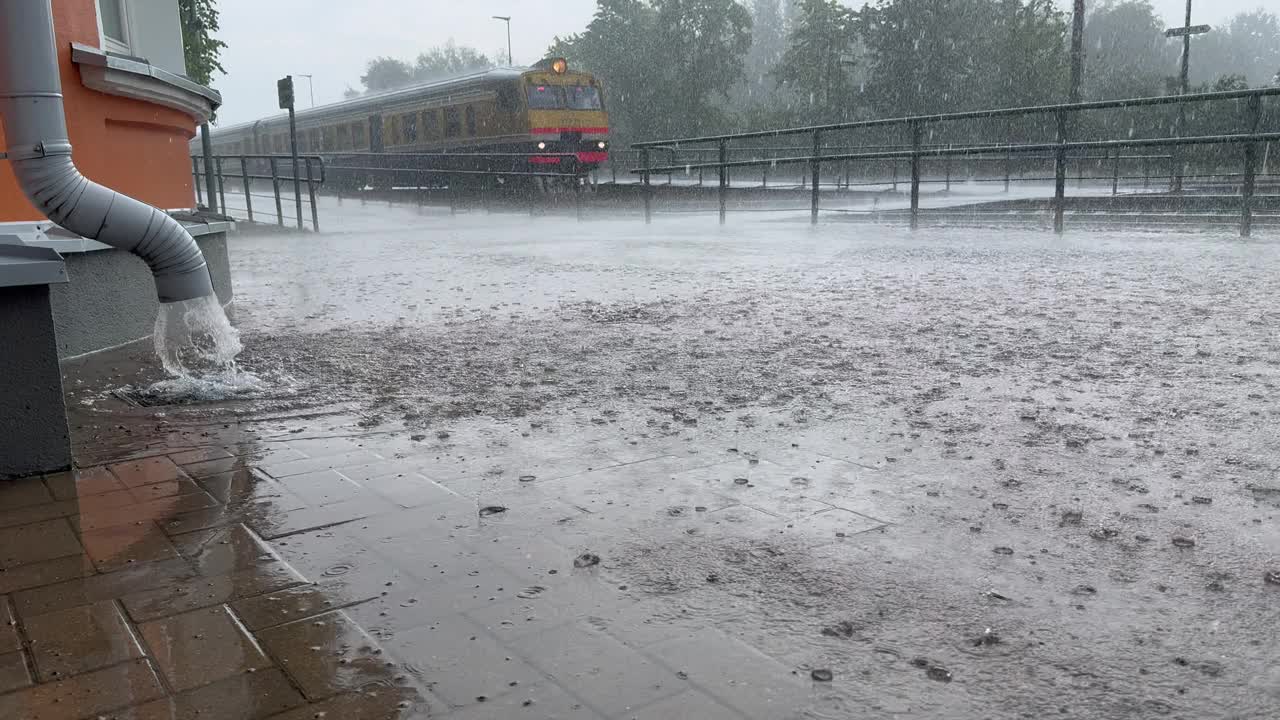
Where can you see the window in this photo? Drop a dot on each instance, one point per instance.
(545, 97)
(508, 97)
(330, 138)
(344, 137)
(360, 135)
(315, 140)
(471, 120)
(303, 141)
(452, 122)
(430, 124)
(409, 126)
(583, 97)
(278, 142)
(115, 24)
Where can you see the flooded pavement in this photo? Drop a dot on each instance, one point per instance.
(504, 466)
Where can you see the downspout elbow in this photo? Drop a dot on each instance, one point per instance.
(39, 152)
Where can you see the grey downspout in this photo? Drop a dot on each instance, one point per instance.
(39, 151)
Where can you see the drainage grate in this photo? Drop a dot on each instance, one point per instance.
(141, 398)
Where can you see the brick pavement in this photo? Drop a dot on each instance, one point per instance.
(351, 578)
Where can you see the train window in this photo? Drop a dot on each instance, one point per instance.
(277, 142)
(545, 97)
(409, 126)
(330, 138)
(430, 124)
(303, 141)
(391, 130)
(344, 137)
(508, 97)
(583, 97)
(471, 120)
(360, 135)
(452, 122)
(315, 140)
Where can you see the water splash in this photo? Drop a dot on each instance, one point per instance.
(197, 347)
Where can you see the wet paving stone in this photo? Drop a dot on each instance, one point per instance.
(166, 488)
(374, 702)
(210, 590)
(93, 517)
(39, 513)
(244, 697)
(47, 540)
(24, 492)
(612, 678)
(13, 671)
(9, 639)
(458, 662)
(244, 486)
(283, 524)
(93, 587)
(46, 572)
(737, 675)
(199, 455)
(542, 701)
(283, 470)
(147, 472)
(329, 654)
(200, 647)
(85, 696)
(74, 484)
(689, 705)
(224, 550)
(322, 487)
(119, 546)
(77, 640)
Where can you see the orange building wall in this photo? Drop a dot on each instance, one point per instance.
(128, 145)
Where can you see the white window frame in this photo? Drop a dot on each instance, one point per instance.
(111, 44)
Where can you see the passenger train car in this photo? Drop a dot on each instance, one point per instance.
(546, 118)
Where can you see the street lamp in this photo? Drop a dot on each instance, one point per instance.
(1185, 32)
(311, 87)
(507, 19)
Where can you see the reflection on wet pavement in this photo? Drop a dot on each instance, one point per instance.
(778, 475)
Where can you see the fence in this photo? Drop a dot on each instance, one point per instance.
(252, 171)
(915, 151)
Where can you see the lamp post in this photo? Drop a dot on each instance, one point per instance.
(507, 19)
(311, 87)
(1077, 51)
(1185, 32)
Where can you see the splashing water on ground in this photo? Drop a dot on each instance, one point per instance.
(197, 346)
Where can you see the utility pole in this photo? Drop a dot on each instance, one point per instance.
(1185, 32)
(1077, 51)
(311, 87)
(507, 20)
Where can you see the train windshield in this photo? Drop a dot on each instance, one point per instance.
(546, 97)
(583, 97)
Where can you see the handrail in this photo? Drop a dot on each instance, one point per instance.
(976, 114)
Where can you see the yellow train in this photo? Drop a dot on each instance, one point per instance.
(547, 118)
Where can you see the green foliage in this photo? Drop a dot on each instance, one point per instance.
(387, 73)
(199, 19)
(668, 65)
(449, 60)
(1126, 52)
(819, 57)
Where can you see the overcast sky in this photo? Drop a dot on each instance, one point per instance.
(332, 40)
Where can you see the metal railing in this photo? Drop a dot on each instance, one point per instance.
(251, 171)
(915, 151)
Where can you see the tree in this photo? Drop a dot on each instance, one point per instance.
(386, 73)
(818, 57)
(768, 42)
(1128, 53)
(201, 50)
(1248, 45)
(667, 65)
(449, 60)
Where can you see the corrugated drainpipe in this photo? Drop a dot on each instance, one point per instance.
(40, 153)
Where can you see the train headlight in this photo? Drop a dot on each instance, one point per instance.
(601, 144)
(559, 66)
(542, 146)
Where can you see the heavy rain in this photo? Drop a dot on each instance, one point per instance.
(642, 360)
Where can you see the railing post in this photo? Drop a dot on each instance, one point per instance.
(1115, 173)
(222, 190)
(646, 191)
(248, 194)
(724, 178)
(195, 175)
(764, 177)
(946, 163)
(673, 162)
(275, 186)
(915, 174)
(1146, 172)
(894, 162)
(1008, 167)
(1060, 173)
(1253, 113)
(311, 197)
(817, 169)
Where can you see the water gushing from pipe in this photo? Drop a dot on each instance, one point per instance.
(197, 346)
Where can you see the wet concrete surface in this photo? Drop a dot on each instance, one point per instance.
(513, 466)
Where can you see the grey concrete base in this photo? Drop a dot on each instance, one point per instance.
(110, 298)
(34, 436)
